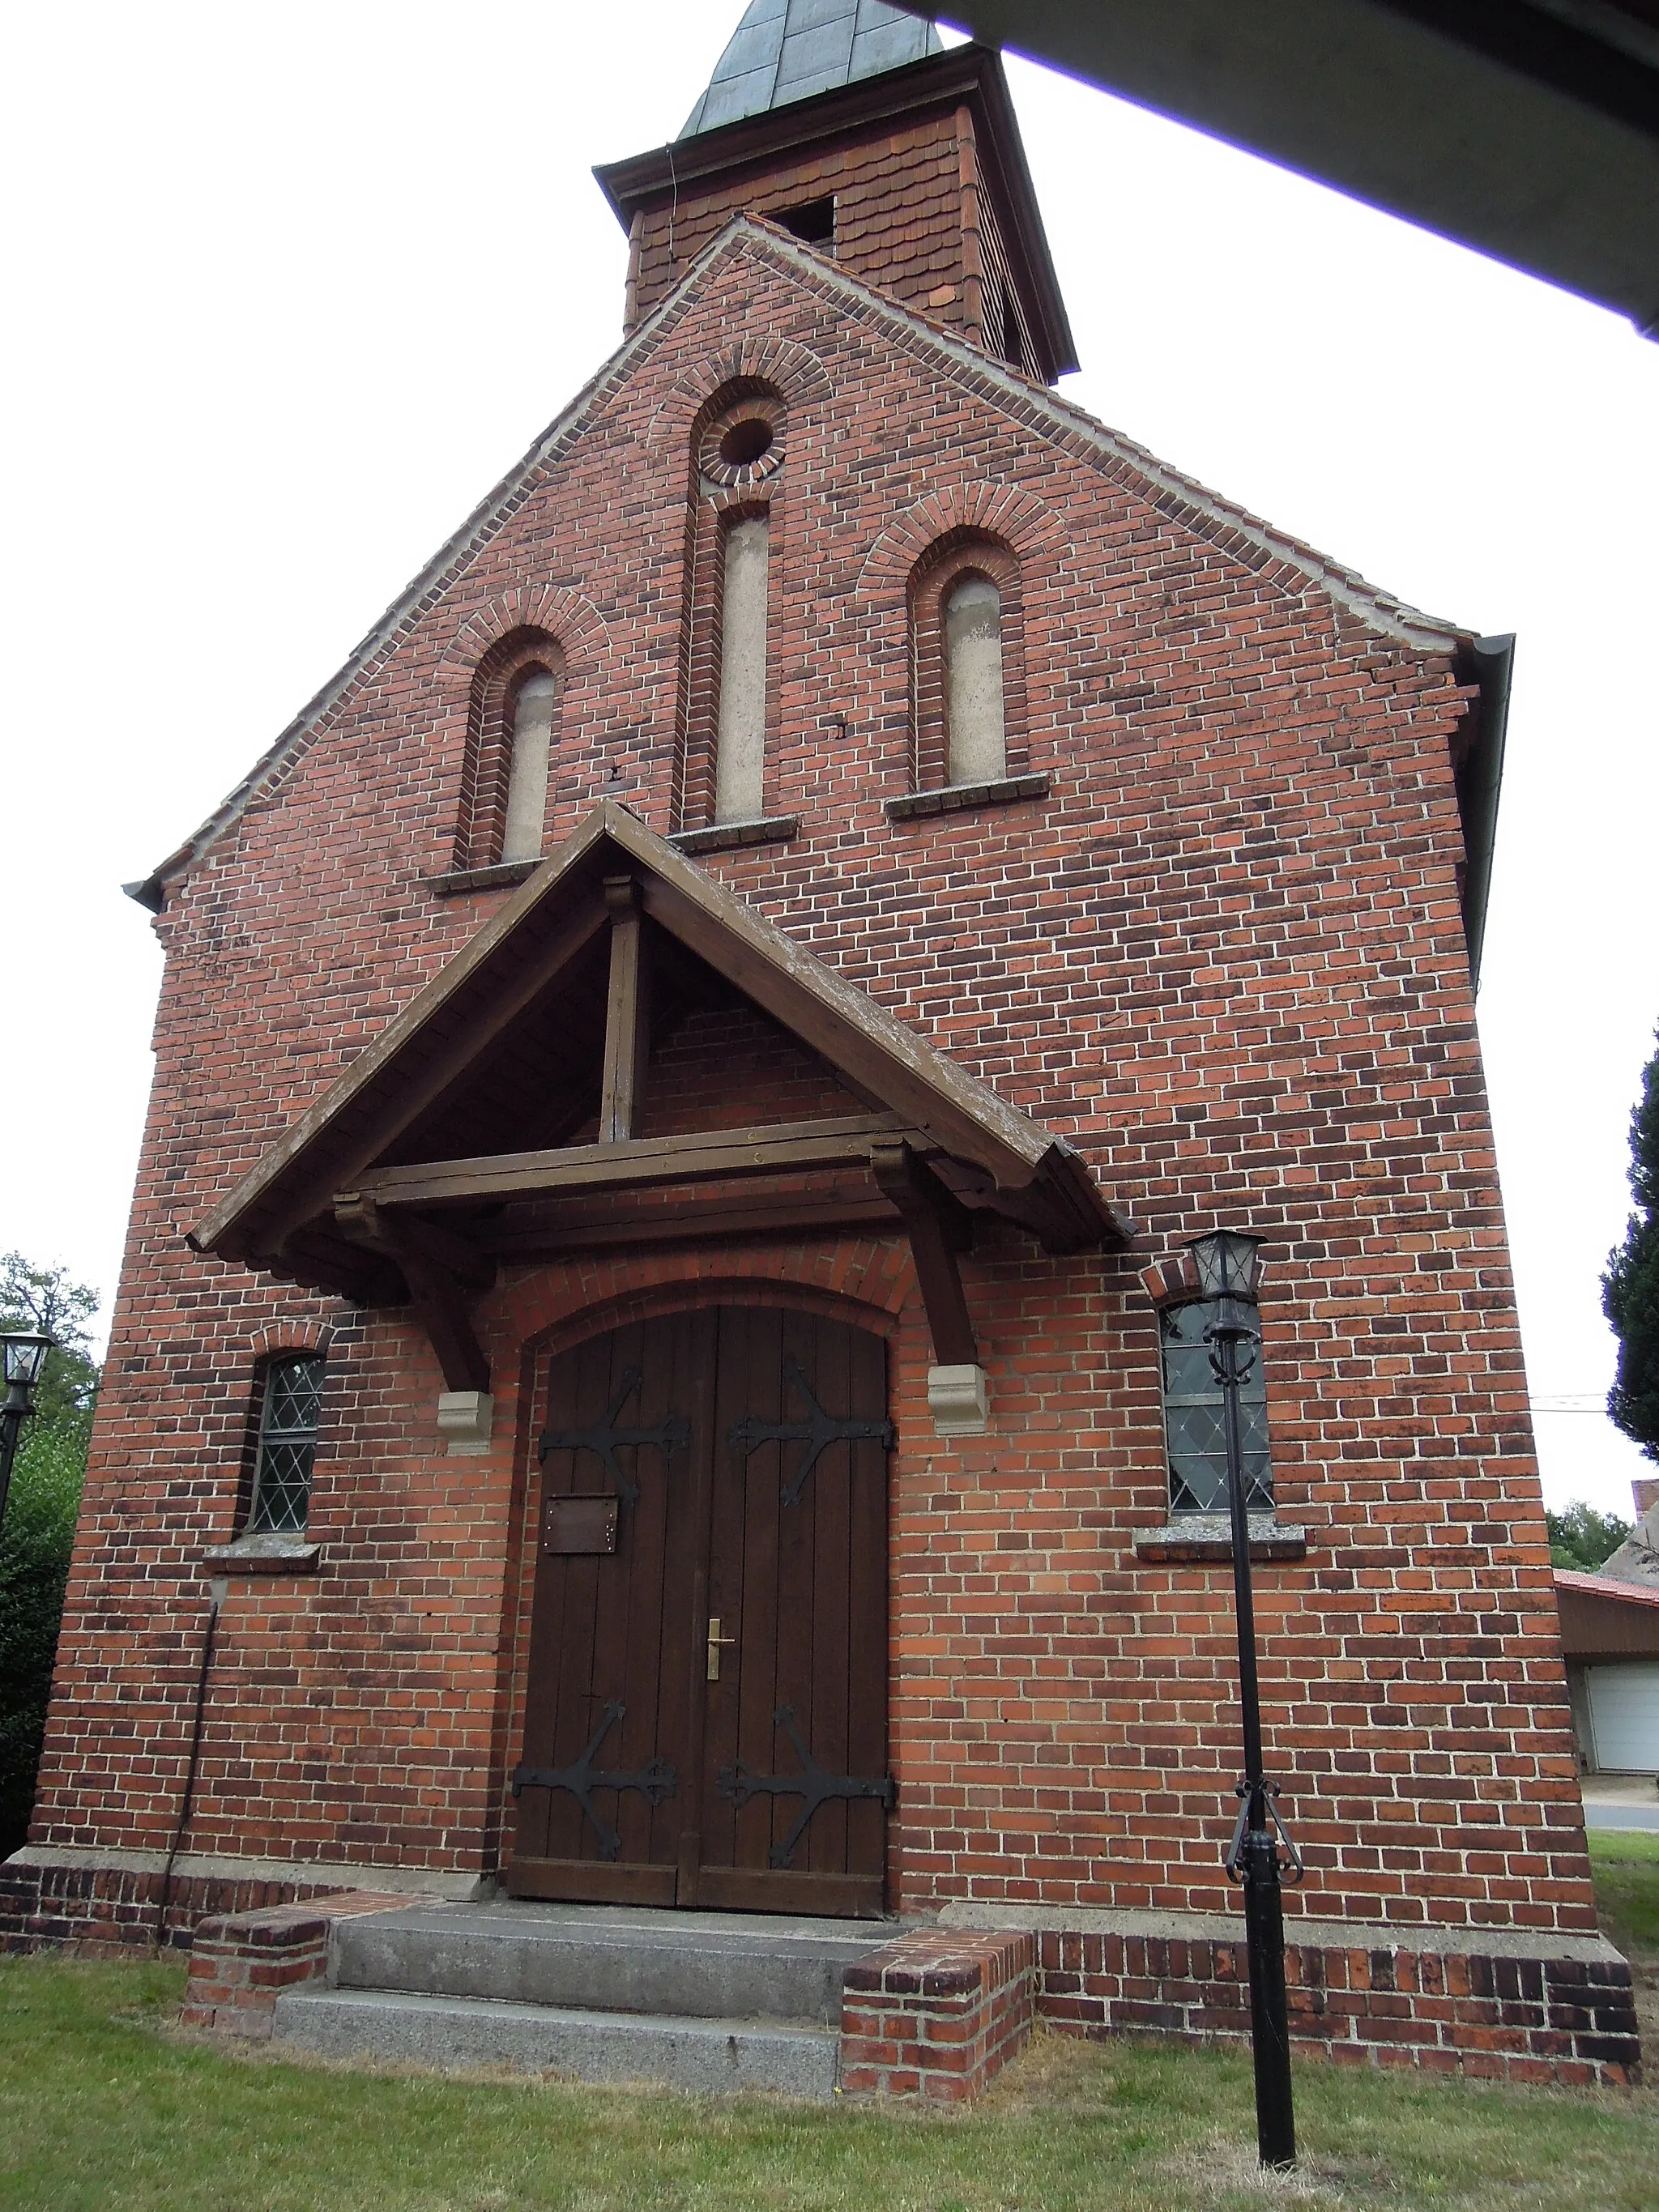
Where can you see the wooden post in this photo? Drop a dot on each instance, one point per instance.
(626, 1036)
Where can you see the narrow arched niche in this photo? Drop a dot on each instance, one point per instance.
(975, 717)
(512, 730)
(968, 696)
(535, 711)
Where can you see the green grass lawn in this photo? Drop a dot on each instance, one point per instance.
(102, 2103)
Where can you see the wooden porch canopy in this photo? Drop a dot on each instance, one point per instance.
(497, 1117)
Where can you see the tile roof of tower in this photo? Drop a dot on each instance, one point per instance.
(786, 50)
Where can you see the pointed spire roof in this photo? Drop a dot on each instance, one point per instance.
(786, 49)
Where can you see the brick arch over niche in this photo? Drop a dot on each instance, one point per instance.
(569, 618)
(789, 367)
(1032, 532)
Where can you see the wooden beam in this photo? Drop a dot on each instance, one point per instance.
(777, 1148)
(937, 1228)
(433, 1290)
(599, 1223)
(626, 1021)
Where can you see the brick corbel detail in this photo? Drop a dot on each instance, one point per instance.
(937, 2014)
(239, 1964)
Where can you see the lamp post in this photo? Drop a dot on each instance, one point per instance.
(1229, 1269)
(24, 1356)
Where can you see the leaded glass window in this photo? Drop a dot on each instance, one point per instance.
(288, 1444)
(1192, 1420)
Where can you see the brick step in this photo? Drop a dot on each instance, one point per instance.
(799, 2058)
(607, 1959)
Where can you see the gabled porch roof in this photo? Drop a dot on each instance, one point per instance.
(450, 1141)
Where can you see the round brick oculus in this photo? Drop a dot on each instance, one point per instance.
(743, 444)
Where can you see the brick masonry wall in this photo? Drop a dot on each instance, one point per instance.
(936, 2016)
(1223, 957)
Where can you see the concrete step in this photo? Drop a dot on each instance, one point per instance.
(797, 2059)
(613, 1959)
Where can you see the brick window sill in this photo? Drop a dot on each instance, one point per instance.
(1200, 1538)
(727, 836)
(265, 1554)
(504, 874)
(954, 798)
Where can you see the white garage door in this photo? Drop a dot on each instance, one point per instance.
(1625, 1715)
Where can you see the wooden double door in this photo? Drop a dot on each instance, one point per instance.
(706, 1716)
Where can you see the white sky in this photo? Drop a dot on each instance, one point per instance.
(288, 290)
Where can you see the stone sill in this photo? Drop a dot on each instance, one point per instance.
(501, 876)
(952, 798)
(1206, 1536)
(266, 1554)
(727, 836)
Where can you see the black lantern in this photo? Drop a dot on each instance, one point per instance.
(1229, 1269)
(25, 1354)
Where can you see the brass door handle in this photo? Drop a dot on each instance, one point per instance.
(715, 1641)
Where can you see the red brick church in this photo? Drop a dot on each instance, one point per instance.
(656, 1363)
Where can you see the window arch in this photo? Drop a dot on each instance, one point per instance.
(967, 663)
(513, 728)
(737, 454)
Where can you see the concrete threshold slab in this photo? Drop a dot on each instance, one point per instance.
(704, 2057)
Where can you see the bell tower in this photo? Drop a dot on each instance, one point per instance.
(848, 125)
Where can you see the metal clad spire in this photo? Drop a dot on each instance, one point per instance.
(786, 49)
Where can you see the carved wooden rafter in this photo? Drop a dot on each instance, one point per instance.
(938, 1228)
(439, 1269)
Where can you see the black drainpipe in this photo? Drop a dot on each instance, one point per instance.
(216, 1592)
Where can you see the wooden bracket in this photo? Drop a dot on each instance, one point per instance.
(626, 1015)
(938, 1228)
(436, 1265)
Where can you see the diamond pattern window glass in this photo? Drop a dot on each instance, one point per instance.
(1192, 1420)
(288, 1444)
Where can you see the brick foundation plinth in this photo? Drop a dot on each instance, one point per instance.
(102, 1911)
(935, 2015)
(1558, 2009)
(240, 1962)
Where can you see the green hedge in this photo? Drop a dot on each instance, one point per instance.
(35, 1556)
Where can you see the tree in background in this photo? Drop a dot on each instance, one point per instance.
(40, 1525)
(1630, 1289)
(1583, 1538)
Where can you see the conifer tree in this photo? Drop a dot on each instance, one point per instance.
(1630, 1288)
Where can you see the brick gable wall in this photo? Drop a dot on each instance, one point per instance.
(1223, 957)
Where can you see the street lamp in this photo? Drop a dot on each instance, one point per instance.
(1229, 1269)
(24, 1356)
